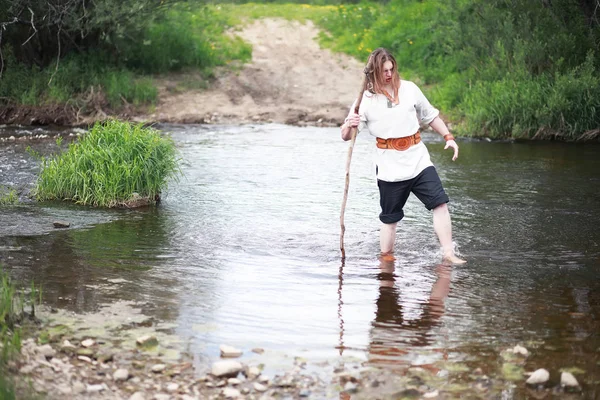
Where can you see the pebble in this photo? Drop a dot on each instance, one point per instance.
(27, 369)
(137, 396)
(538, 377)
(78, 387)
(233, 381)
(431, 395)
(231, 393)
(259, 387)
(172, 387)
(121, 374)
(252, 372)
(226, 368)
(350, 387)
(147, 341)
(567, 379)
(520, 350)
(88, 343)
(229, 351)
(158, 367)
(46, 350)
(95, 388)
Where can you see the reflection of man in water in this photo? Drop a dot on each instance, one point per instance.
(392, 333)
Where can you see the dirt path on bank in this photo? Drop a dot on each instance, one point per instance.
(289, 80)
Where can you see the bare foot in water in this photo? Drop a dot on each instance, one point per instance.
(387, 257)
(453, 260)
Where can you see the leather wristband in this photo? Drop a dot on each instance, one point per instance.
(448, 137)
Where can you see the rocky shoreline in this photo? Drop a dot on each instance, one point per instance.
(133, 358)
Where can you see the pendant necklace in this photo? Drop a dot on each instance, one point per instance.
(391, 102)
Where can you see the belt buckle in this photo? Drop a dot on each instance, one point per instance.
(401, 144)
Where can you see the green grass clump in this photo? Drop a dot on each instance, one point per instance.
(113, 164)
(12, 314)
(8, 196)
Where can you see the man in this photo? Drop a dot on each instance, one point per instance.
(393, 110)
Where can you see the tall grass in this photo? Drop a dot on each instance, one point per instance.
(12, 313)
(73, 81)
(109, 165)
(8, 196)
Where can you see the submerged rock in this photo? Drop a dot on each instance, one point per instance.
(568, 380)
(538, 377)
(229, 351)
(147, 341)
(520, 350)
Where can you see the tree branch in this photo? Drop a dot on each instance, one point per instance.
(33, 26)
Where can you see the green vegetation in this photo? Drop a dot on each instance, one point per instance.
(12, 313)
(124, 44)
(499, 68)
(8, 196)
(496, 68)
(113, 165)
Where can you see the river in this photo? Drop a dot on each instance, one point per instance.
(244, 250)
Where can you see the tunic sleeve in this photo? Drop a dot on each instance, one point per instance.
(425, 111)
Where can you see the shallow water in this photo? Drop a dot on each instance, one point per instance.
(244, 250)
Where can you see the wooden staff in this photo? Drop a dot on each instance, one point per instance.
(353, 131)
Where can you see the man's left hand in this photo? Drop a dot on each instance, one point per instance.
(452, 143)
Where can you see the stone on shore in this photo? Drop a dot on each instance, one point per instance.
(252, 372)
(226, 368)
(259, 387)
(538, 377)
(121, 374)
(158, 368)
(46, 350)
(231, 393)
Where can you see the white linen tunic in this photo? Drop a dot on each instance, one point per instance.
(401, 120)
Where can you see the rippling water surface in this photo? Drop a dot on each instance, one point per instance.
(244, 250)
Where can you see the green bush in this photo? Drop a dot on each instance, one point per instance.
(113, 164)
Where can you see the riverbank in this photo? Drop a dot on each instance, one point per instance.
(290, 80)
(120, 354)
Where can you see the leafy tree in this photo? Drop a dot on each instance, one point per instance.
(37, 32)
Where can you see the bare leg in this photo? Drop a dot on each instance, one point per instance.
(442, 225)
(387, 237)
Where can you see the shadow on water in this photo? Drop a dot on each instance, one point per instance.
(244, 251)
